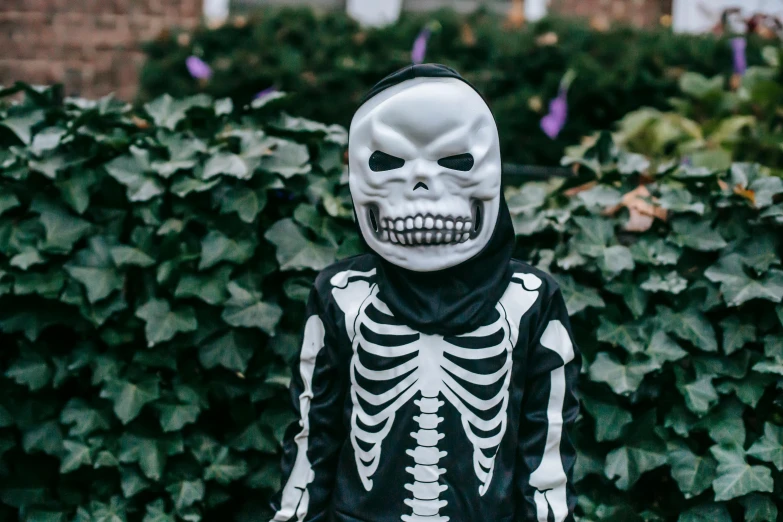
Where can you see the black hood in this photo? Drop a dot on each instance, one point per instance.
(455, 300)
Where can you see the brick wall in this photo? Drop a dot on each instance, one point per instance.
(92, 46)
(641, 13)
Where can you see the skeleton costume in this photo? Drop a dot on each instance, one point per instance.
(436, 377)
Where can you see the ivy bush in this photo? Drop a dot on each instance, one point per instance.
(714, 121)
(327, 56)
(153, 271)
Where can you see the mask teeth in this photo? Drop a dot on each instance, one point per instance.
(425, 229)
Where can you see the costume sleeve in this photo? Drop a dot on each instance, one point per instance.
(546, 452)
(312, 446)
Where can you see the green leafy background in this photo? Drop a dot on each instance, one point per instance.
(154, 265)
(327, 62)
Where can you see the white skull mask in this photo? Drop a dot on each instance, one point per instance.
(424, 164)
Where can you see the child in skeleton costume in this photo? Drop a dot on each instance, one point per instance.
(436, 377)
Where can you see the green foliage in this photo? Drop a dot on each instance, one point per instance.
(715, 122)
(319, 56)
(679, 320)
(142, 274)
(152, 288)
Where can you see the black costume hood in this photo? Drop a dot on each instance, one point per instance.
(461, 298)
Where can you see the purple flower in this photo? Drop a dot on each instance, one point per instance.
(554, 122)
(198, 68)
(264, 93)
(419, 50)
(738, 46)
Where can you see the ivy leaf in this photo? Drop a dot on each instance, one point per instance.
(615, 259)
(724, 424)
(671, 283)
(748, 390)
(627, 335)
(130, 256)
(594, 236)
(769, 448)
(129, 398)
(168, 112)
(225, 163)
(690, 325)
(245, 202)
(246, 309)
(758, 252)
(62, 229)
(8, 201)
(173, 417)
(706, 513)
(225, 468)
(656, 253)
(184, 185)
(694, 474)
(287, 159)
(209, 286)
(621, 378)
(30, 370)
(774, 367)
(736, 333)
(697, 234)
(765, 189)
(144, 451)
(663, 348)
(738, 287)
(610, 419)
(163, 323)
(217, 247)
(643, 452)
(578, 297)
(759, 508)
(678, 201)
(76, 456)
(700, 395)
(132, 482)
(735, 476)
(93, 268)
(296, 252)
(156, 512)
(229, 350)
(45, 437)
(113, 512)
(253, 437)
(186, 493)
(131, 170)
(84, 419)
(22, 124)
(633, 296)
(601, 196)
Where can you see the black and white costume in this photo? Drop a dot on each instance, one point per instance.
(436, 377)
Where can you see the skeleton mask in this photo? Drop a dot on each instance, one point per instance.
(425, 173)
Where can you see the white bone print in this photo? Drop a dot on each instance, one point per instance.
(392, 364)
(549, 478)
(296, 498)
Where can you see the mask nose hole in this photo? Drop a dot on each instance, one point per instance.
(421, 185)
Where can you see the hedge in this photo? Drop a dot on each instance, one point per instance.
(153, 271)
(327, 62)
(716, 122)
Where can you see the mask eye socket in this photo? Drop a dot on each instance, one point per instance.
(462, 162)
(380, 161)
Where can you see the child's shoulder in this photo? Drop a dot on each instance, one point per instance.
(548, 285)
(361, 265)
